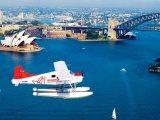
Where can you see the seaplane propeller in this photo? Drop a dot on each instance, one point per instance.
(82, 73)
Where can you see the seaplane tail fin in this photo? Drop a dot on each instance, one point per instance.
(20, 73)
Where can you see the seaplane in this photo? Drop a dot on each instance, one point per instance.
(64, 79)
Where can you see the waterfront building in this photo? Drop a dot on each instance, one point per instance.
(56, 34)
(20, 16)
(35, 32)
(1, 17)
(59, 34)
(63, 18)
(44, 31)
(10, 27)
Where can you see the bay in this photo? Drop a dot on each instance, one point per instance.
(134, 94)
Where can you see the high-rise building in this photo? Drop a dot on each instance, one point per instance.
(1, 17)
(20, 16)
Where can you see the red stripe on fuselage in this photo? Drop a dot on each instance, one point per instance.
(77, 74)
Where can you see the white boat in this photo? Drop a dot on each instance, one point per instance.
(77, 89)
(123, 70)
(67, 95)
(114, 114)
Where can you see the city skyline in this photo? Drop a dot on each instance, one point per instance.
(86, 3)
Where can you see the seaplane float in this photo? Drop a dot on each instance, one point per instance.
(64, 80)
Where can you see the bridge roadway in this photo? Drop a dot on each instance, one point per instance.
(78, 29)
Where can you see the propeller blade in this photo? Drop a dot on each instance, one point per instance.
(82, 71)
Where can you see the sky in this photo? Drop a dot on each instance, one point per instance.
(84, 3)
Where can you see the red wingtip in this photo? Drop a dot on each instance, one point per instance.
(19, 73)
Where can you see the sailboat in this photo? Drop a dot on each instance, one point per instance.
(114, 114)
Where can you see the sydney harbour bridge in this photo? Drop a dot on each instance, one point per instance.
(125, 27)
(148, 22)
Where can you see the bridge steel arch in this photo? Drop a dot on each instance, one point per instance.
(125, 27)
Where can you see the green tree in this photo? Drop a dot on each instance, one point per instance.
(35, 23)
(68, 35)
(8, 32)
(1, 34)
(23, 27)
(92, 34)
(22, 22)
(157, 60)
(102, 37)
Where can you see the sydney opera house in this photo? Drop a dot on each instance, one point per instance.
(20, 42)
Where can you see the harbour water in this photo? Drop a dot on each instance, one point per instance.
(134, 93)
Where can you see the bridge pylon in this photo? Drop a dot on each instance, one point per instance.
(111, 32)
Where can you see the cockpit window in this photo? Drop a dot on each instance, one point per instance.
(71, 72)
(53, 76)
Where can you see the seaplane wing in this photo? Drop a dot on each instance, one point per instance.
(60, 66)
(62, 70)
(64, 76)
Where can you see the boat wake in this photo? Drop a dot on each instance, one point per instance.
(132, 102)
(123, 70)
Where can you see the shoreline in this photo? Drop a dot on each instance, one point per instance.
(18, 49)
(87, 40)
(102, 40)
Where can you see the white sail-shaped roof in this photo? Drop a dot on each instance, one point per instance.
(19, 35)
(3, 42)
(14, 41)
(7, 41)
(18, 42)
(24, 38)
(14, 36)
(29, 40)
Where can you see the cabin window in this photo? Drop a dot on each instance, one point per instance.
(53, 76)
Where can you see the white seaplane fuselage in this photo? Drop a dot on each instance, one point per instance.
(49, 78)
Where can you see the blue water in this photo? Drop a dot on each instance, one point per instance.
(47, 21)
(135, 94)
